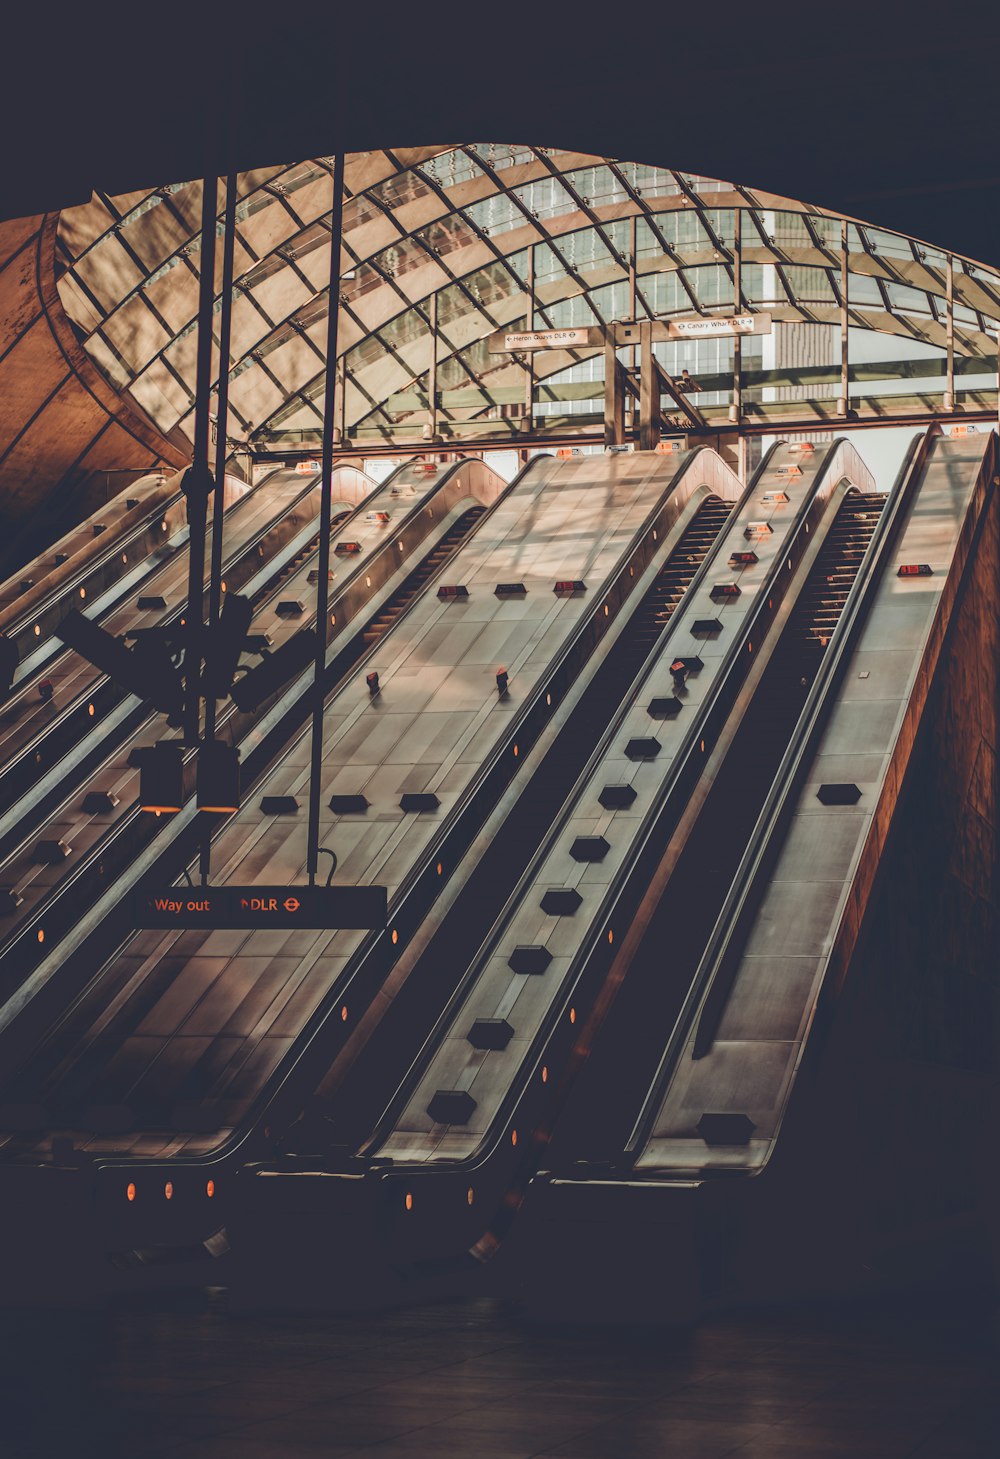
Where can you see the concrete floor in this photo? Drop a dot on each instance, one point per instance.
(471, 1379)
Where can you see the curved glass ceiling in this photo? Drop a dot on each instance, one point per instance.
(476, 238)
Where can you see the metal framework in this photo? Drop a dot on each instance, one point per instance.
(445, 245)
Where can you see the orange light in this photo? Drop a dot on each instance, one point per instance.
(572, 1015)
(333, 617)
(90, 710)
(611, 935)
(703, 747)
(41, 935)
(395, 935)
(168, 1190)
(513, 1137)
(130, 1191)
(83, 592)
(548, 699)
(163, 526)
(124, 557)
(515, 752)
(470, 1196)
(38, 631)
(210, 1188)
(606, 610)
(409, 1200)
(223, 586)
(545, 1074)
(440, 868)
(343, 1013)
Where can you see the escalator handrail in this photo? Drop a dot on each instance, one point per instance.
(742, 899)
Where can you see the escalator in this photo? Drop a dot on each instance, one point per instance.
(347, 1105)
(624, 1043)
(50, 894)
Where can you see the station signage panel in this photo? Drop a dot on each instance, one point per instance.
(546, 339)
(715, 328)
(264, 907)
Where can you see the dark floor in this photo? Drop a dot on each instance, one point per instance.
(187, 1379)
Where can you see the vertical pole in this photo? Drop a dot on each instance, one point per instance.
(737, 406)
(949, 324)
(325, 518)
(529, 369)
(219, 495)
(844, 322)
(432, 382)
(198, 480)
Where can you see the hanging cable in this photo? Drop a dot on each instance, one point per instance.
(219, 496)
(197, 479)
(326, 502)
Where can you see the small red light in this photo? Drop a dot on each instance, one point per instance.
(210, 1188)
(130, 1191)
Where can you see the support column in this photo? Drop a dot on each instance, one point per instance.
(529, 368)
(949, 324)
(614, 395)
(649, 390)
(844, 397)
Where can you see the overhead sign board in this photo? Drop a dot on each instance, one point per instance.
(281, 908)
(546, 339)
(715, 328)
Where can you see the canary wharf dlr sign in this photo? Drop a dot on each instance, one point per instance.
(264, 907)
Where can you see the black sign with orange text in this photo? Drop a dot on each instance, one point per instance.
(272, 908)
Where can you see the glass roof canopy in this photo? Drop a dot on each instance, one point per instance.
(442, 246)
